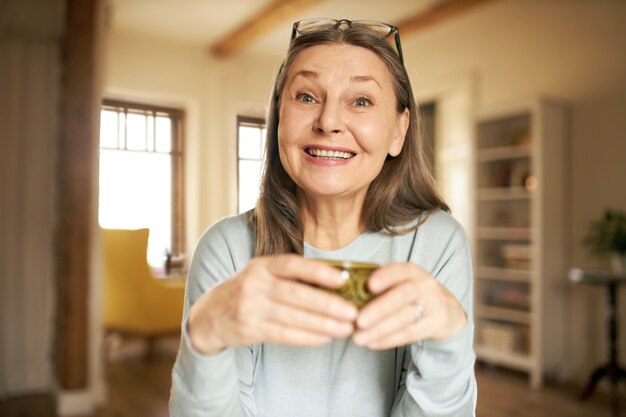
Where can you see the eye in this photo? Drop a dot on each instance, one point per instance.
(305, 98)
(362, 102)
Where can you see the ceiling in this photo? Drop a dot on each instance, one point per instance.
(214, 22)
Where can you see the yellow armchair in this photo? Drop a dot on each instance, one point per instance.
(134, 301)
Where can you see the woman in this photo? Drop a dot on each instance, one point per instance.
(344, 178)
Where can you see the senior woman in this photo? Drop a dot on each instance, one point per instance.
(344, 178)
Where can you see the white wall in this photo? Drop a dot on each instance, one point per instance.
(512, 49)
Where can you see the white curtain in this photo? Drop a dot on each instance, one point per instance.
(30, 79)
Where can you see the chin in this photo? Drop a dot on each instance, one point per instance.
(330, 192)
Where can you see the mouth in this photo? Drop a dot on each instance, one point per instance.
(329, 154)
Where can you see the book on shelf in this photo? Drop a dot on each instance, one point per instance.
(516, 256)
(508, 295)
(504, 337)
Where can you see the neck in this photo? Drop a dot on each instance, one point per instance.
(330, 223)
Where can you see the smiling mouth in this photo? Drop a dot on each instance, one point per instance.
(325, 154)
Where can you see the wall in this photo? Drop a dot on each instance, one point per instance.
(571, 51)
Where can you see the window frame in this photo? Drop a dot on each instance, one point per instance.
(250, 121)
(177, 155)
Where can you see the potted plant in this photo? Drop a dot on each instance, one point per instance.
(607, 238)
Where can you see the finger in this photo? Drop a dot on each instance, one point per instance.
(308, 270)
(260, 329)
(281, 334)
(419, 330)
(318, 301)
(399, 321)
(301, 319)
(390, 275)
(385, 305)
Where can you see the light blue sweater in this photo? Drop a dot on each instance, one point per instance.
(427, 378)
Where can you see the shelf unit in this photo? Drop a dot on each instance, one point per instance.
(520, 242)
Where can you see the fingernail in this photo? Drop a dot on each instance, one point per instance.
(344, 276)
(373, 285)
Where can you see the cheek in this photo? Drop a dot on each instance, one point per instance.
(285, 148)
(288, 127)
(286, 141)
(372, 135)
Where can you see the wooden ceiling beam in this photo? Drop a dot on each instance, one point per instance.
(439, 12)
(273, 14)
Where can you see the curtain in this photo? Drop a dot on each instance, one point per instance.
(30, 79)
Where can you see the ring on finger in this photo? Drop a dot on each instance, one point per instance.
(418, 311)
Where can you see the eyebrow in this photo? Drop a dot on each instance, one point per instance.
(364, 79)
(306, 74)
(354, 79)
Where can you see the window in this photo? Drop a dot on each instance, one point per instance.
(141, 175)
(250, 154)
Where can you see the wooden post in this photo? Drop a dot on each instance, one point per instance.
(77, 173)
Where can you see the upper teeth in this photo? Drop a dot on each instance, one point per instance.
(329, 154)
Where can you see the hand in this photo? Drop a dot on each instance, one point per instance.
(269, 301)
(391, 320)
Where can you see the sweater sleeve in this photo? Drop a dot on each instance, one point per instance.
(220, 384)
(438, 375)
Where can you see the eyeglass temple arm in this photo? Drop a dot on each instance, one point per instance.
(294, 31)
(399, 46)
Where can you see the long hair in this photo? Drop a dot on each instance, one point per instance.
(403, 190)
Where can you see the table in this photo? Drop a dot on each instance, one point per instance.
(611, 369)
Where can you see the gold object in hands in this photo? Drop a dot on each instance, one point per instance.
(355, 288)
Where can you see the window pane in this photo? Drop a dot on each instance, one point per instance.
(249, 183)
(136, 131)
(163, 134)
(108, 129)
(249, 142)
(135, 192)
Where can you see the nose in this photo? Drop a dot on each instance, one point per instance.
(330, 119)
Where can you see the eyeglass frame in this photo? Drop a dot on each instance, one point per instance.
(339, 22)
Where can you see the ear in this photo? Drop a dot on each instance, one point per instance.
(400, 133)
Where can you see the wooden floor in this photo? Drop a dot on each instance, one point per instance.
(141, 389)
(138, 388)
(503, 393)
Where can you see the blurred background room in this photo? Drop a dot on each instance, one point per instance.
(130, 126)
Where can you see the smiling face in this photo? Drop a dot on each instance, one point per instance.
(338, 120)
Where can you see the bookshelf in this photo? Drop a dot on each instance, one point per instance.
(520, 242)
